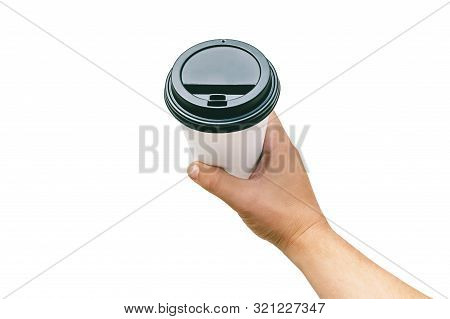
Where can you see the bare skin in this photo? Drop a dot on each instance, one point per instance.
(278, 204)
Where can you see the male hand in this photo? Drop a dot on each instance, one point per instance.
(277, 203)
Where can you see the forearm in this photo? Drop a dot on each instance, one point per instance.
(335, 269)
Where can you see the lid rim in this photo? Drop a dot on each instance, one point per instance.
(250, 109)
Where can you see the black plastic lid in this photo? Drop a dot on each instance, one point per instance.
(221, 86)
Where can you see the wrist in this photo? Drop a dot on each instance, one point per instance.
(307, 239)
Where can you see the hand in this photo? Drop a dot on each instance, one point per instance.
(277, 203)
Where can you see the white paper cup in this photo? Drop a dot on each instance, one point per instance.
(237, 152)
(223, 91)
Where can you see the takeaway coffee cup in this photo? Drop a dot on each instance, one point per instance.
(222, 91)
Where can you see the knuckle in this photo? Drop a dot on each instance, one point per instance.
(213, 181)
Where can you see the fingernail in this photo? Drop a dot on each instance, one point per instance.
(193, 171)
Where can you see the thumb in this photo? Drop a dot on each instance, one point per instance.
(218, 182)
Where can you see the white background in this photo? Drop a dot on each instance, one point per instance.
(377, 151)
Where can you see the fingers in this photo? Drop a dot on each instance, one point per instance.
(218, 182)
(273, 119)
(275, 135)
